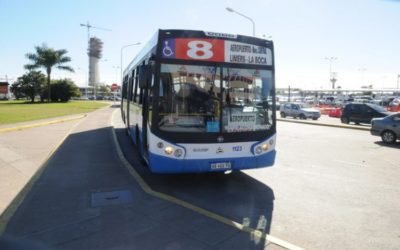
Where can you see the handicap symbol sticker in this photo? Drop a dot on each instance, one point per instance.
(168, 50)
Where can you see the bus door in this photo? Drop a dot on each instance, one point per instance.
(145, 75)
(132, 104)
(124, 100)
(128, 100)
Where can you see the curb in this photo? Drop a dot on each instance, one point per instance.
(147, 189)
(10, 129)
(325, 124)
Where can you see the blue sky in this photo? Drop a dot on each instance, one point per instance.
(362, 34)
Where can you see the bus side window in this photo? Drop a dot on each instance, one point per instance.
(125, 88)
(135, 97)
(130, 91)
(150, 93)
(140, 96)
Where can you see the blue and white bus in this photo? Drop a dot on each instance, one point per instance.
(196, 101)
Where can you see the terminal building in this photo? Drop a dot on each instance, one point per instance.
(4, 90)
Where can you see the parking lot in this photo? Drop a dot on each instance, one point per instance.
(334, 188)
(330, 188)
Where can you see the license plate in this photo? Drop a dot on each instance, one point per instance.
(221, 165)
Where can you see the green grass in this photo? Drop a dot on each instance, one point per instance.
(21, 111)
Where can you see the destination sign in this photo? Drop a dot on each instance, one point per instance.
(216, 50)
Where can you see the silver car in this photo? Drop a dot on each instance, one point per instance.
(299, 110)
(388, 128)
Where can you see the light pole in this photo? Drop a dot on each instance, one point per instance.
(116, 72)
(248, 18)
(330, 59)
(122, 49)
(362, 70)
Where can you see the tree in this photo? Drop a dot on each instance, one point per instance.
(48, 58)
(16, 89)
(62, 90)
(30, 85)
(105, 90)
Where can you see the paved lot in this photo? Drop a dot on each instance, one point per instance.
(331, 188)
(85, 199)
(334, 188)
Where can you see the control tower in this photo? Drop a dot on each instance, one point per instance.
(94, 53)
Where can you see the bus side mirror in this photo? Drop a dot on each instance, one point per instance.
(144, 73)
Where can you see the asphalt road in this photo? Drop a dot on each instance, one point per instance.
(330, 188)
(334, 188)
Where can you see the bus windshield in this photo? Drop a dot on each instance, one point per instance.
(200, 99)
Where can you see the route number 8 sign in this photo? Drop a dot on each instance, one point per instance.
(216, 50)
(200, 50)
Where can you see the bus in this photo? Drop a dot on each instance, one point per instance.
(197, 101)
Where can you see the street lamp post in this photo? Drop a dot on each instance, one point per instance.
(116, 72)
(248, 18)
(122, 49)
(362, 70)
(331, 78)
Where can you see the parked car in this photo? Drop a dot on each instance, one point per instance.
(362, 113)
(388, 128)
(394, 105)
(299, 110)
(327, 100)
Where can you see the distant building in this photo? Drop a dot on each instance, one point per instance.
(94, 53)
(4, 90)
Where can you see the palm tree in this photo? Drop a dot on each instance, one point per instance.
(48, 58)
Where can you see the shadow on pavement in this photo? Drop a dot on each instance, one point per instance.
(235, 196)
(393, 145)
(74, 205)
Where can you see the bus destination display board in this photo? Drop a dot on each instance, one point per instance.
(216, 50)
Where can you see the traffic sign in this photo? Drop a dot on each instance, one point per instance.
(114, 86)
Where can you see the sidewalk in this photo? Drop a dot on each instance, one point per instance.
(85, 199)
(23, 151)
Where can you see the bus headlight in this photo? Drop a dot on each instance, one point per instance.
(160, 145)
(271, 142)
(178, 152)
(265, 147)
(258, 150)
(168, 150)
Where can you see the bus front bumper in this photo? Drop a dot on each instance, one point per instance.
(162, 164)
